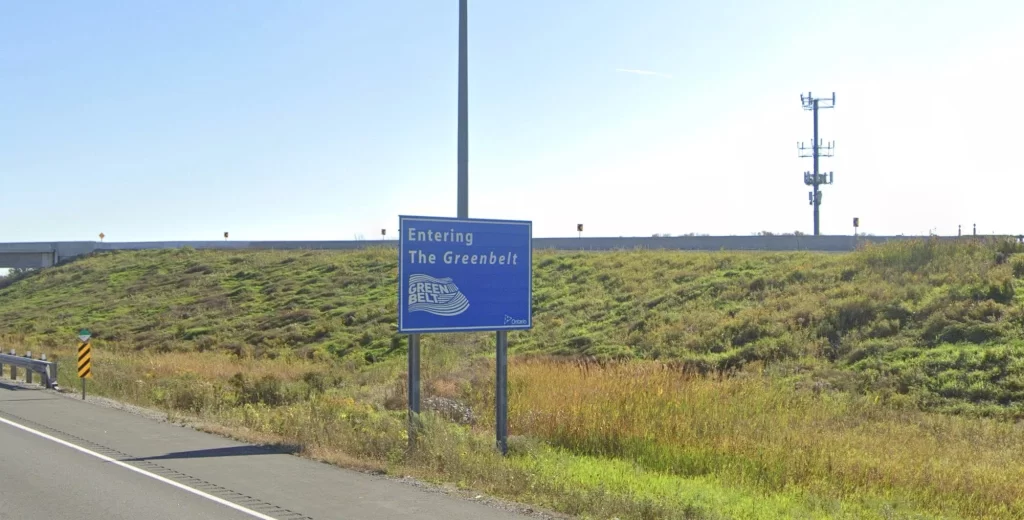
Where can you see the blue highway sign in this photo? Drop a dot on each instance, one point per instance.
(459, 275)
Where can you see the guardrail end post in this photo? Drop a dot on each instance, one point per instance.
(48, 379)
(53, 375)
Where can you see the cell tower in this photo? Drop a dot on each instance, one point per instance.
(817, 149)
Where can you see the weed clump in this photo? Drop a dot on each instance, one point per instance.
(267, 390)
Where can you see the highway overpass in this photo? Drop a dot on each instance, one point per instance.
(46, 254)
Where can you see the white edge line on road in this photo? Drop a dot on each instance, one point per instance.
(105, 458)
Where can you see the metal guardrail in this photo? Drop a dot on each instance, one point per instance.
(47, 369)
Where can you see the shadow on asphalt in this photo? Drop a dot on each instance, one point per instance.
(15, 388)
(235, 451)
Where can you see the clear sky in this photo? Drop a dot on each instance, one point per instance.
(182, 119)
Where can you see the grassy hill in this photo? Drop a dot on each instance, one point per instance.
(941, 322)
(884, 383)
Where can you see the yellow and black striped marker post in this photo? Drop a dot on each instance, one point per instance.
(84, 358)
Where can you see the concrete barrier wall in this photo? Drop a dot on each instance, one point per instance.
(237, 244)
(43, 254)
(737, 243)
(837, 243)
(26, 260)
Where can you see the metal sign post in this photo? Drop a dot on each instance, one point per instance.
(501, 393)
(414, 388)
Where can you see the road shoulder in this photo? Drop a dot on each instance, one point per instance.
(280, 484)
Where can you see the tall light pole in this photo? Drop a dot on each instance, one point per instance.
(463, 212)
(501, 339)
(463, 161)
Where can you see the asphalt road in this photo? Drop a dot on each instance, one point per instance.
(65, 458)
(70, 484)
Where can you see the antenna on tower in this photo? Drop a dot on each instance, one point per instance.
(816, 150)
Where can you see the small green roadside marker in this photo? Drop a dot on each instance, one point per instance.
(84, 335)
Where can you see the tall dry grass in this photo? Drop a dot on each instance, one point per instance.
(632, 440)
(752, 431)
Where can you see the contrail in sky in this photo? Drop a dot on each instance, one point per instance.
(644, 72)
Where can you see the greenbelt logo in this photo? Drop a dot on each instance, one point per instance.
(438, 296)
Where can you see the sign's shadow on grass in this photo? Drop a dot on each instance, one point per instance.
(234, 451)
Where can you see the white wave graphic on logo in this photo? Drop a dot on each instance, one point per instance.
(435, 295)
